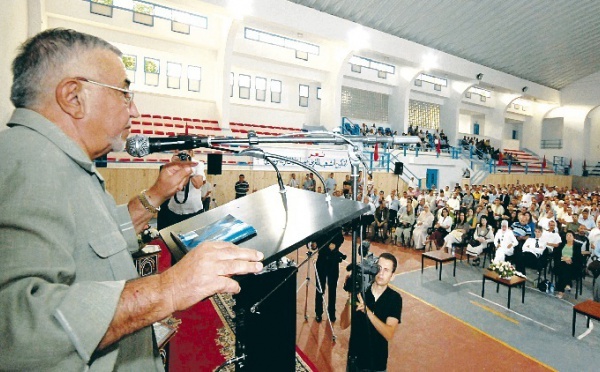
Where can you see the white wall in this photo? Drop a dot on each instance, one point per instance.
(552, 128)
(13, 31)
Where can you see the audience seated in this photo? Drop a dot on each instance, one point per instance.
(441, 228)
(528, 231)
(461, 227)
(484, 235)
(505, 242)
(405, 225)
(568, 263)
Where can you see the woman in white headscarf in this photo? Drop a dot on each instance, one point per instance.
(424, 221)
(505, 242)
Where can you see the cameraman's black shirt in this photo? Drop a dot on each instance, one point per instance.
(368, 345)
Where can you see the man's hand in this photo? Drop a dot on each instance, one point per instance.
(206, 270)
(360, 304)
(172, 178)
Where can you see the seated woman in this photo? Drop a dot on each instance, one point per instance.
(567, 263)
(505, 241)
(405, 224)
(484, 234)
(471, 218)
(441, 229)
(424, 221)
(461, 227)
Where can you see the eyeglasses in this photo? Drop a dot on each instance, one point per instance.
(128, 94)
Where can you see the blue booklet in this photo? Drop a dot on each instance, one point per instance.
(228, 229)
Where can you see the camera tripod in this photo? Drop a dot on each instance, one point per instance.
(318, 288)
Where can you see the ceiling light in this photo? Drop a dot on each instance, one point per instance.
(358, 38)
(429, 62)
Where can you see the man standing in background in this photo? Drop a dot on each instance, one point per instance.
(206, 191)
(241, 187)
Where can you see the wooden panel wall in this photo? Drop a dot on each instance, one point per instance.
(527, 179)
(125, 183)
(587, 182)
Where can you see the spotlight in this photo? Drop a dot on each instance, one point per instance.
(479, 76)
(525, 89)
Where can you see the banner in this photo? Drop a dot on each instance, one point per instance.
(320, 159)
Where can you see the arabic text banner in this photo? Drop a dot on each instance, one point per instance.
(321, 160)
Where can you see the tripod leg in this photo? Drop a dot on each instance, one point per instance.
(306, 293)
(319, 289)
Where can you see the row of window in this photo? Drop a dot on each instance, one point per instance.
(174, 74)
(144, 12)
(260, 89)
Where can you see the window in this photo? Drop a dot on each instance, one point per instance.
(319, 93)
(130, 63)
(231, 82)
(276, 87)
(282, 41)
(173, 75)
(303, 92)
(302, 55)
(194, 78)
(480, 91)
(244, 83)
(382, 74)
(372, 64)
(102, 7)
(143, 13)
(152, 71)
(364, 104)
(433, 80)
(261, 88)
(356, 68)
(424, 115)
(418, 83)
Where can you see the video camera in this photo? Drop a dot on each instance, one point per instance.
(366, 269)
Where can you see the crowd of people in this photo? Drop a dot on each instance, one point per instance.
(532, 226)
(430, 140)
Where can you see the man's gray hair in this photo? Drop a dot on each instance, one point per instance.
(44, 54)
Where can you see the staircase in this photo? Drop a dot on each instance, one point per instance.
(526, 162)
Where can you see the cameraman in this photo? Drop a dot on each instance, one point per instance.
(187, 202)
(328, 270)
(377, 315)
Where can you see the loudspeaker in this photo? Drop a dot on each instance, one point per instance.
(214, 163)
(398, 168)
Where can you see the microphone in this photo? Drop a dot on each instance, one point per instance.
(140, 146)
